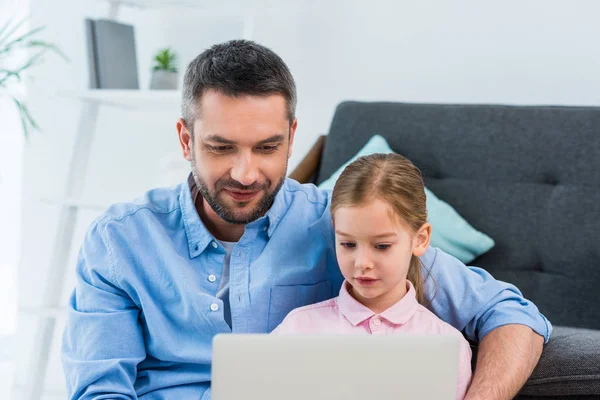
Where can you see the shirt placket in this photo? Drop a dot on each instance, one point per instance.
(377, 325)
(239, 281)
(210, 279)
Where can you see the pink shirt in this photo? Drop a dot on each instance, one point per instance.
(344, 314)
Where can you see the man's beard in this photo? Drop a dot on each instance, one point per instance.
(225, 212)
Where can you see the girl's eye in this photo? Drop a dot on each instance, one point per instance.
(348, 245)
(382, 246)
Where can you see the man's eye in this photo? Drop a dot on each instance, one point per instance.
(382, 246)
(268, 149)
(348, 245)
(219, 149)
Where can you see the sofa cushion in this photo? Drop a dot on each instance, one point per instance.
(529, 177)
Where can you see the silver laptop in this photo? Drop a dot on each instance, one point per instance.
(331, 367)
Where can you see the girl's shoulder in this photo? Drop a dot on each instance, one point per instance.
(428, 322)
(309, 318)
(316, 308)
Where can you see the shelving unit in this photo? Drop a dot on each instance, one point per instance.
(70, 202)
(126, 99)
(74, 203)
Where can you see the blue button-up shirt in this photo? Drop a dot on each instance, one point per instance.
(144, 310)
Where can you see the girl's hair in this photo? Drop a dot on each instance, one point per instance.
(395, 180)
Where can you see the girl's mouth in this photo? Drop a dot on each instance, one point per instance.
(365, 281)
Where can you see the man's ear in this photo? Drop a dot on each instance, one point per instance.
(421, 240)
(185, 138)
(292, 133)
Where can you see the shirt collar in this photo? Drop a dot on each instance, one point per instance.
(397, 314)
(278, 208)
(199, 237)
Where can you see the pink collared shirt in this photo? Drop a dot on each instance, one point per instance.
(344, 314)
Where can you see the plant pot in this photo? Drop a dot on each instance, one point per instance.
(164, 80)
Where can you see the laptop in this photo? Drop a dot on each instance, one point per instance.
(331, 367)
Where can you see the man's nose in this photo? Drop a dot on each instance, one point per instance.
(244, 170)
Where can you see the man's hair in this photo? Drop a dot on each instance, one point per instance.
(236, 68)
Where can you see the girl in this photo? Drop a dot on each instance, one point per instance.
(380, 220)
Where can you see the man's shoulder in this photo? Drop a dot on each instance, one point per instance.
(155, 202)
(306, 193)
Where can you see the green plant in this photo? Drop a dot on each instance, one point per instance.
(10, 45)
(165, 60)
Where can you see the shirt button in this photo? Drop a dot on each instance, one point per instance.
(265, 229)
(214, 306)
(212, 278)
(215, 245)
(376, 321)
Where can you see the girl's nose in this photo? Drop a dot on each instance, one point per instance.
(363, 261)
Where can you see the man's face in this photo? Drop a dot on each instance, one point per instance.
(239, 153)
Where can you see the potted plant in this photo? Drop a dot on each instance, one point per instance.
(12, 69)
(164, 72)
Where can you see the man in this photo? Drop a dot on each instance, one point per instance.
(239, 246)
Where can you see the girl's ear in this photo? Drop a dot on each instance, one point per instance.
(421, 240)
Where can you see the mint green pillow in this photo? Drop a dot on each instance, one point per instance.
(450, 232)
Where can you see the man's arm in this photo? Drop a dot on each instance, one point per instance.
(505, 360)
(475, 303)
(103, 341)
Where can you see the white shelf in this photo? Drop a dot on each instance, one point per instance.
(157, 3)
(128, 99)
(75, 203)
(208, 8)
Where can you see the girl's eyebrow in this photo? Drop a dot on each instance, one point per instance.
(381, 235)
(385, 234)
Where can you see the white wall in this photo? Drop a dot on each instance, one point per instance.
(516, 52)
(11, 158)
(11, 153)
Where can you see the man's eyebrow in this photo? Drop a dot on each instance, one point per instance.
(272, 139)
(218, 139)
(222, 140)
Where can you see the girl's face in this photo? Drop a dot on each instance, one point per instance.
(374, 251)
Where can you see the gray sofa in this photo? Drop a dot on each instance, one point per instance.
(527, 176)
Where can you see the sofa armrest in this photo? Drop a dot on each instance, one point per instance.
(309, 165)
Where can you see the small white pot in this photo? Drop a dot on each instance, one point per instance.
(164, 80)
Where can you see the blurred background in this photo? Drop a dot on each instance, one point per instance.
(509, 52)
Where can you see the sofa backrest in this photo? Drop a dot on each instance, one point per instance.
(527, 176)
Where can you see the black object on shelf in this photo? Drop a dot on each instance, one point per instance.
(112, 58)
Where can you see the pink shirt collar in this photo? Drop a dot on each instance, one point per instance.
(397, 314)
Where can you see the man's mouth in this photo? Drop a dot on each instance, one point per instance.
(241, 195)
